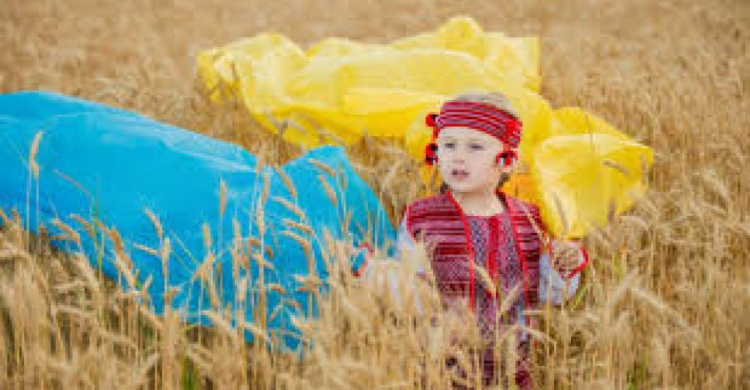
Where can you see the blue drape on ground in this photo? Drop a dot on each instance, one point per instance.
(110, 165)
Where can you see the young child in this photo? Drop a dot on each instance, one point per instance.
(472, 224)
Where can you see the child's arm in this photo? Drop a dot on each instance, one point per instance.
(407, 246)
(559, 282)
(389, 272)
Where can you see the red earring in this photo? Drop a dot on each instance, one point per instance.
(506, 158)
(430, 120)
(430, 153)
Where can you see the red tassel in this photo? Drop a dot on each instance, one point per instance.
(430, 152)
(506, 158)
(430, 119)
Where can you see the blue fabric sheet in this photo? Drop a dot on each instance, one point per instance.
(110, 165)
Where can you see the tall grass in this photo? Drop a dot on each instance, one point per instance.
(664, 305)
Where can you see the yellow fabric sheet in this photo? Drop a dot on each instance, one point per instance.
(578, 169)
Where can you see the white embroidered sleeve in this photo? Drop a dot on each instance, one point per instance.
(386, 276)
(406, 244)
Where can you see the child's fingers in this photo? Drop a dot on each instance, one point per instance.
(566, 258)
(565, 251)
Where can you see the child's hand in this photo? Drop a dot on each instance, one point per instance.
(566, 256)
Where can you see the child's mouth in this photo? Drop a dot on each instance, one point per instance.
(459, 174)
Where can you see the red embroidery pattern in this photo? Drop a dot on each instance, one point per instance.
(510, 251)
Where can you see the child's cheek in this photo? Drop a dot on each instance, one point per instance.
(489, 168)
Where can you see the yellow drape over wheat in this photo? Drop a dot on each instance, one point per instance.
(576, 167)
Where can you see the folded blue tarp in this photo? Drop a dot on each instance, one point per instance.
(109, 165)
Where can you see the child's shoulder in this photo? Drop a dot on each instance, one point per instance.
(429, 202)
(521, 205)
(428, 208)
(522, 209)
(443, 200)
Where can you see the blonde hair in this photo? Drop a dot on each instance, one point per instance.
(495, 99)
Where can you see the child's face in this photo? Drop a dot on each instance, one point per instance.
(466, 160)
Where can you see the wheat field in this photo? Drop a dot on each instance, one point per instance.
(664, 304)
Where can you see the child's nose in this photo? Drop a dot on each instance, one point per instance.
(458, 156)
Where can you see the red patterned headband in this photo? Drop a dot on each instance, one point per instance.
(478, 116)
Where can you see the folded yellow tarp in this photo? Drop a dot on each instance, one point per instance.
(580, 170)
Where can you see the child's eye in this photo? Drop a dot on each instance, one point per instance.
(449, 145)
(476, 147)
